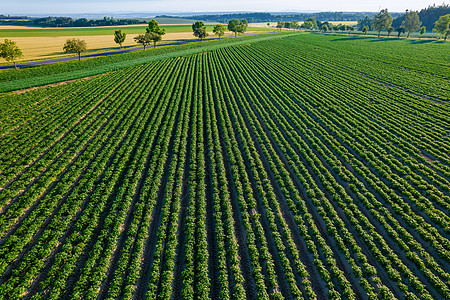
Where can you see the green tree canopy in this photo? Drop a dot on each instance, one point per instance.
(411, 22)
(365, 29)
(389, 31)
(153, 26)
(363, 23)
(119, 37)
(144, 39)
(10, 52)
(400, 30)
(294, 25)
(423, 29)
(442, 25)
(279, 25)
(382, 21)
(219, 30)
(154, 37)
(200, 33)
(237, 26)
(75, 46)
(198, 24)
(324, 28)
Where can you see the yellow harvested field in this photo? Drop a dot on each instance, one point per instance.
(349, 23)
(51, 46)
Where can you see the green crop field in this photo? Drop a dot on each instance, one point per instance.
(302, 166)
(89, 31)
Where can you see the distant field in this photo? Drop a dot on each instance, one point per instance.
(40, 43)
(22, 31)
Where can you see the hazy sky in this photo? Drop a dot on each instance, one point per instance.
(52, 7)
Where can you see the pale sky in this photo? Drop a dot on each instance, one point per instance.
(54, 7)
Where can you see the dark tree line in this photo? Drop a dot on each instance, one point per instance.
(428, 16)
(268, 17)
(69, 22)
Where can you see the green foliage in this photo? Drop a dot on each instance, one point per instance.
(382, 21)
(75, 46)
(324, 28)
(119, 37)
(365, 29)
(143, 39)
(428, 15)
(442, 26)
(237, 26)
(219, 30)
(10, 51)
(366, 22)
(51, 73)
(153, 26)
(400, 30)
(411, 22)
(270, 161)
(198, 24)
(423, 29)
(389, 31)
(200, 33)
(280, 25)
(154, 37)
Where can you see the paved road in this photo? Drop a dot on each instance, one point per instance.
(57, 60)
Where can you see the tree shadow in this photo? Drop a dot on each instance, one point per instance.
(386, 39)
(351, 38)
(423, 41)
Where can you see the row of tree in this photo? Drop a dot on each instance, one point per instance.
(410, 23)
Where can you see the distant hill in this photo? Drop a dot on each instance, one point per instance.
(173, 20)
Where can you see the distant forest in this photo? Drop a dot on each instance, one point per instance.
(268, 17)
(65, 21)
(427, 15)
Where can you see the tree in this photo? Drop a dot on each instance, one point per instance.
(324, 28)
(389, 31)
(382, 21)
(199, 30)
(144, 39)
(312, 22)
(411, 22)
(423, 29)
(364, 22)
(441, 26)
(365, 29)
(153, 26)
(75, 46)
(119, 37)
(294, 25)
(279, 25)
(10, 52)
(219, 30)
(154, 37)
(200, 33)
(308, 24)
(198, 24)
(268, 24)
(240, 26)
(400, 30)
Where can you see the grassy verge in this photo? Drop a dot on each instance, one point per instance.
(11, 80)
